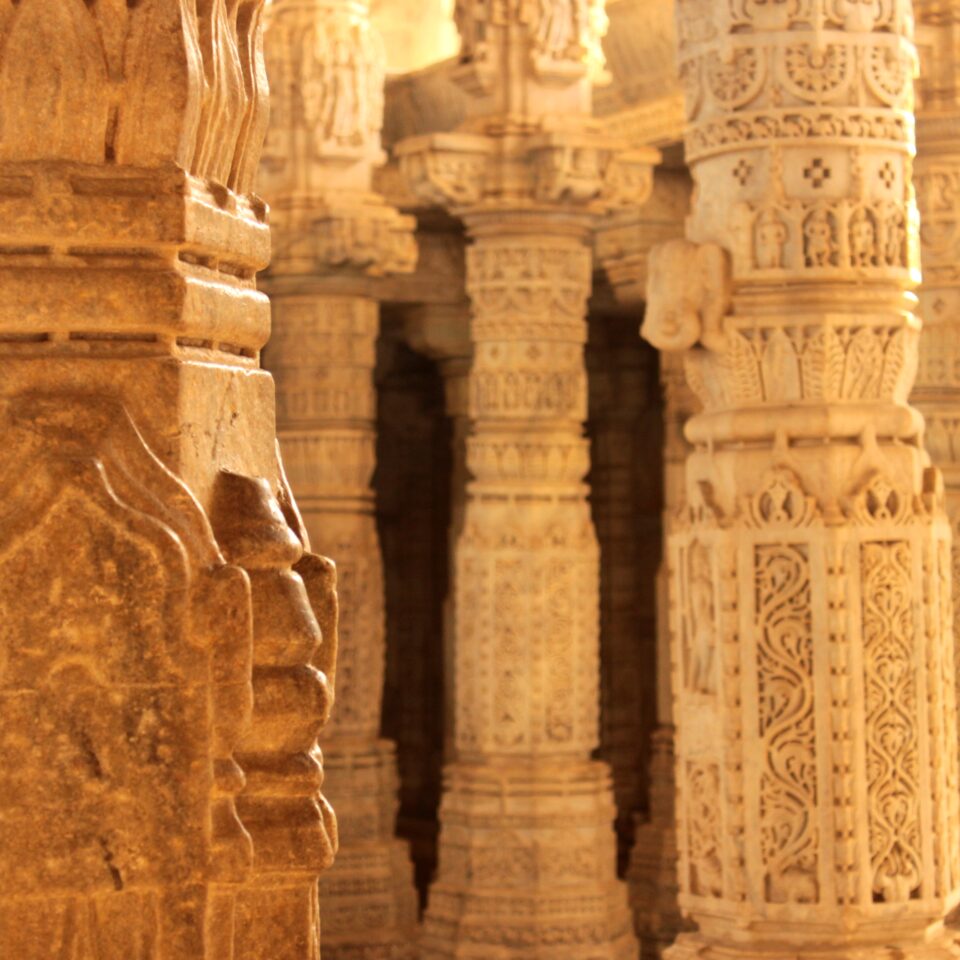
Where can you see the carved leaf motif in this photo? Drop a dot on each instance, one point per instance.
(250, 45)
(162, 53)
(834, 362)
(894, 383)
(54, 96)
(222, 113)
(746, 385)
(781, 374)
(813, 366)
(112, 17)
(864, 365)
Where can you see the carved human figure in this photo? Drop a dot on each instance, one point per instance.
(894, 239)
(819, 244)
(859, 16)
(555, 30)
(771, 239)
(702, 624)
(342, 103)
(863, 238)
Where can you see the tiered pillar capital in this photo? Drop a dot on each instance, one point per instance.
(326, 64)
(573, 171)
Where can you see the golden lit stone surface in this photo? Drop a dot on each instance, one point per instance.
(167, 641)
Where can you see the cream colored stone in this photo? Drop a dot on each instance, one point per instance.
(527, 851)
(333, 237)
(810, 565)
(937, 180)
(163, 673)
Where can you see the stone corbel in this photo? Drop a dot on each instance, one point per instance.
(447, 168)
(689, 293)
(354, 232)
(628, 177)
(585, 167)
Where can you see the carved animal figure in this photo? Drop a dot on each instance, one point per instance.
(688, 294)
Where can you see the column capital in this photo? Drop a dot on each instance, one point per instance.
(624, 238)
(552, 168)
(326, 65)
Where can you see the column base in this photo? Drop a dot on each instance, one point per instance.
(693, 946)
(528, 866)
(368, 903)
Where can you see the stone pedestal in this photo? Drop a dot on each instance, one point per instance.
(334, 238)
(168, 641)
(810, 565)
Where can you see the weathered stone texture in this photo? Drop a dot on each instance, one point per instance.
(167, 641)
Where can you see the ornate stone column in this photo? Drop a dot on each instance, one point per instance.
(937, 180)
(333, 238)
(810, 566)
(162, 672)
(527, 849)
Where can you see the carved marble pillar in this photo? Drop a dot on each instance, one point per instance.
(163, 676)
(810, 566)
(937, 180)
(333, 236)
(527, 849)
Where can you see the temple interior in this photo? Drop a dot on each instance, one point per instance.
(480, 479)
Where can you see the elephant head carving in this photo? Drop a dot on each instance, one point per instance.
(688, 294)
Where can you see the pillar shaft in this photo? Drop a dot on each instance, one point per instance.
(333, 237)
(527, 849)
(168, 639)
(810, 565)
(937, 179)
